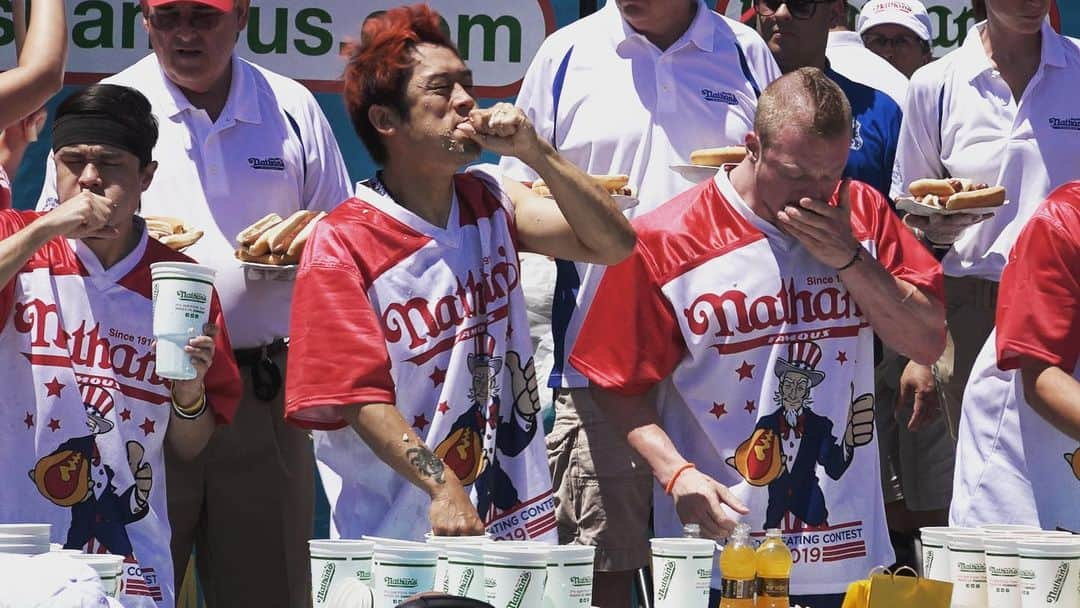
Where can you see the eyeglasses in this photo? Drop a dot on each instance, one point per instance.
(166, 21)
(800, 9)
(903, 42)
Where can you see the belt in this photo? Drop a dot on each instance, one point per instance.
(266, 377)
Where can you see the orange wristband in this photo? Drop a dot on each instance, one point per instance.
(679, 471)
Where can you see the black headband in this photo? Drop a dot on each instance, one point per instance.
(100, 129)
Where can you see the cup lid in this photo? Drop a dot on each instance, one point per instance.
(1049, 547)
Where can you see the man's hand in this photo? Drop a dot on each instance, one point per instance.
(453, 514)
(700, 499)
(860, 424)
(503, 129)
(824, 230)
(523, 385)
(918, 389)
(84, 215)
(943, 229)
(201, 350)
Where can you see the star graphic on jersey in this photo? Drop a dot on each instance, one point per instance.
(438, 376)
(443, 407)
(125, 415)
(54, 424)
(147, 426)
(54, 388)
(749, 406)
(29, 420)
(420, 422)
(718, 410)
(842, 357)
(745, 371)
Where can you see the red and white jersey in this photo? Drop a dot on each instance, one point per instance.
(391, 309)
(83, 416)
(1012, 465)
(760, 354)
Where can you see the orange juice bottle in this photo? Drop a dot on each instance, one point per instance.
(773, 571)
(737, 564)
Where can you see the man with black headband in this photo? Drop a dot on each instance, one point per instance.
(237, 143)
(87, 416)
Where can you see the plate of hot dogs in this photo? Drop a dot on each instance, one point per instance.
(618, 186)
(275, 243)
(951, 196)
(704, 163)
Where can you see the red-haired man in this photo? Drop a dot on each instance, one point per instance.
(409, 323)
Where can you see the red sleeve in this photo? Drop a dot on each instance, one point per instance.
(223, 384)
(10, 223)
(897, 248)
(337, 350)
(1038, 312)
(630, 340)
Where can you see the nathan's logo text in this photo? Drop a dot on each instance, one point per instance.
(400, 581)
(665, 581)
(520, 588)
(732, 312)
(466, 581)
(581, 581)
(720, 96)
(267, 164)
(1065, 124)
(191, 296)
(1059, 584)
(324, 584)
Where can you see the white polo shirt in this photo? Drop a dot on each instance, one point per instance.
(270, 150)
(849, 57)
(625, 106)
(961, 120)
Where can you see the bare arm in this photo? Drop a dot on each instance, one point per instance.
(698, 498)
(40, 72)
(1053, 393)
(383, 429)
(583, 224)
(188, 436)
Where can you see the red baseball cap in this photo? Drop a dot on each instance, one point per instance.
(221, 5)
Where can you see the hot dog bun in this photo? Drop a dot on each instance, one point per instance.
(973, 199)
(296, 247)
(161, 225)
(716, 157)
(183, 240)
(282, 234)
(249, 235)
(956, 193)
(614, 184)
(275, 259)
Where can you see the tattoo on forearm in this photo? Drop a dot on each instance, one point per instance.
(427, 463)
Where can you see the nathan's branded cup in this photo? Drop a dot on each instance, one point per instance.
(1002, 561)
(442, 542)
(351, 593)
(935, 551)
(334, 561)
(464, 575)
(514, 577)
(1008, 528)
(569, 576)
(403, 570)
(681, 570)
(108, 568)
(1049, 572)
(181, 292)
(967, 569)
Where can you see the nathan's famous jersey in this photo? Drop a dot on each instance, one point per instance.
(1012, 464)
(764, 363)
(83, 416)
(391, 309)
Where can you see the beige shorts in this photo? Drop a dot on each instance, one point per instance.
(603, 488)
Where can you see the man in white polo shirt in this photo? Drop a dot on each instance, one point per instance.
(898, 31)
(1000, 110)
(237, 142)
(631, 89)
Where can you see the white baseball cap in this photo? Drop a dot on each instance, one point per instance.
(907, 13)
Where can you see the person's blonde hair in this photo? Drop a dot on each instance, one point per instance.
(805, 98)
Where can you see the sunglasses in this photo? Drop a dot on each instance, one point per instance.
(166, 21)
(900, 43)
(799, 9)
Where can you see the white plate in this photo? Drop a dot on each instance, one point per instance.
(695, 173)
(914, 207)
(625, 202)
(254, 271)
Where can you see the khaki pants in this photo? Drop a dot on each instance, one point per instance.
(246, 505)
(970, 304)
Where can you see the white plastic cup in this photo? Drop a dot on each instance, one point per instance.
(682, 571)
(569, 576)
(1002, 563)
(1008, 528)
(935, 551)
(108, 568)
(514, 577)
(38, 530)
(402, 570)
(334, 561)
(967, 569)
(1049, 572)
(181, 294)
(24, 548)
(464, 575)
(442, 542)
(351, 593)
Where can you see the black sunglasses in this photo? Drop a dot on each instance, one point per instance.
(169, 20)
(799, 9)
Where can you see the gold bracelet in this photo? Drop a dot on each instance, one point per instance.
(189, 412)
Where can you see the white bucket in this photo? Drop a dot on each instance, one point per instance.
(935, 551)
(38, 530)
(967, 568)
(181, 295)
(108, 568)
(1002, 562)
(569, 577)
(1049, 572)
(335, 561)
(515, 576)
(682, 571)
(402, 570)
(442, 542)
(464, 574)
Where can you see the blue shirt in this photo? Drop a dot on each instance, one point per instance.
(875, 133)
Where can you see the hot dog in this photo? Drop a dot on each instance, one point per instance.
(183, 240)
(249, 235)
(614, 184)
(275, 259)
(296, 247)
(282, 234)
(717, 157)
(956, 193)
